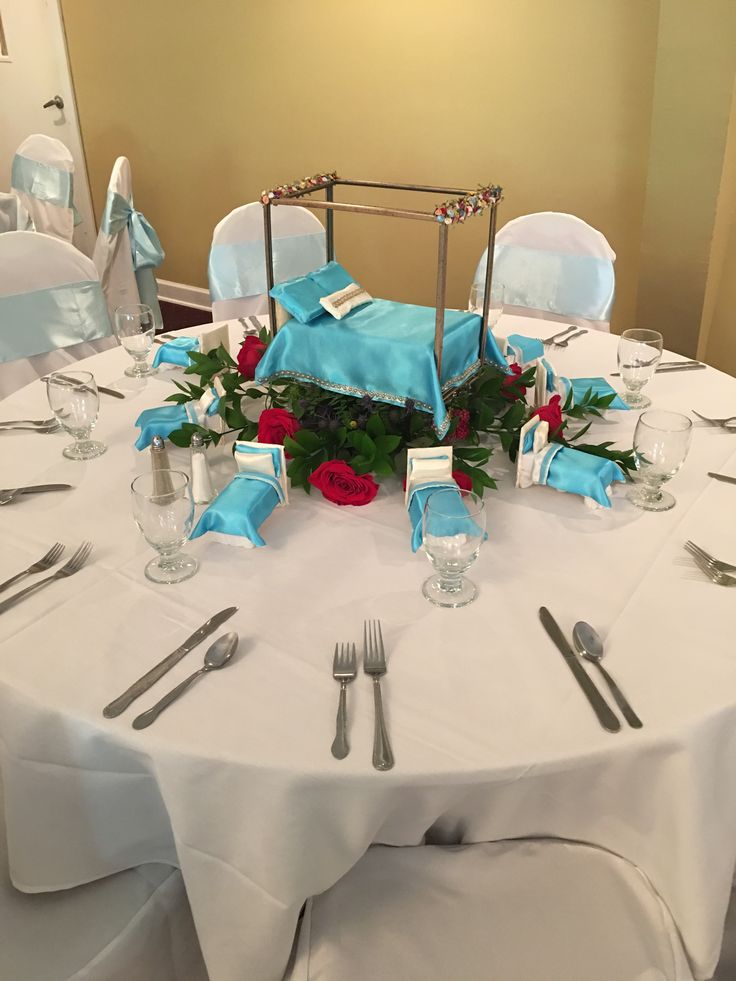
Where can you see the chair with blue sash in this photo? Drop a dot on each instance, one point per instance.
(127, 249)
(52, 311)
(237, 262)
(42, 176)
(555, 267)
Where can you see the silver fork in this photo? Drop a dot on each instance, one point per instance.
(45, 562)
(344, 669)
(374, 664)
(74, 564)
(715, 575)
(728, 423)
(570, 338)
(717, 564)
(560, 334)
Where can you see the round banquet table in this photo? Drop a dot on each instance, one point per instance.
(235, 783)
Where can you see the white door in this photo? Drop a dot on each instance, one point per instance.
(33, 70)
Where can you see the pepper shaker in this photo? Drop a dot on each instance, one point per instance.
(160, 467)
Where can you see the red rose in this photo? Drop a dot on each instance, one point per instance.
(462, 430)
(250, 353)
(275, 424)
(552, 414)
(340, 484)
(509, 384)
(462, 480)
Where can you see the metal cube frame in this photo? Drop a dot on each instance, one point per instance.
(300, 198)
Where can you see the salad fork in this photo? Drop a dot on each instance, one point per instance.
(559, 334)
(45, 562)
(74, 564)
(374, 665)
(717, 564)
(344, 669)
(728, 423)
(714, 574)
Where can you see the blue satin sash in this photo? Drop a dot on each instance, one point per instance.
(176, 351)
(239, 269)
(568, 285)
(242, 507)
(383, 349)
(42, 181)
(46, 320)
(418, 501)
(145, 246)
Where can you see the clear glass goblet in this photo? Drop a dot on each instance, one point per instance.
(495, 309)
(639, 353)
(135, 329)
(454, 525)
(75, 402)
(661, 444)
(163, 509)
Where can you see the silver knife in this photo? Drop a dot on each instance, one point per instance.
(722, 476)
(81, 386)
(110, 391)
(255, 323)
(36, 489)
(151, 677)
(679, 366)
(601, 708)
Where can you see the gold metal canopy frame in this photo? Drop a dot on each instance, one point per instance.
(444, 217)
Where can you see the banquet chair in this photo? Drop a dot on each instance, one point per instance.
(127, 249)
(13, 215)
(554, 266)
(237, 263)
(525, 910)
(52, 311)
(135, 925)
(42, 175)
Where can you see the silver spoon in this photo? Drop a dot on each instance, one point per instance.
(590, 646)
(217, 657)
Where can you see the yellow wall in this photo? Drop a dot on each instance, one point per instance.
(214, 101)
(696, 63)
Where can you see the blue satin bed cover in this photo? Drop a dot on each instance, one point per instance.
(384, 349)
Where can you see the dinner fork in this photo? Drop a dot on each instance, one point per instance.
(570, 338)
(45, 562)
(74, 564)
(694, 549)
(728, 423)
(715, 575)
(344, 669)
(374, 664)
(560, 333)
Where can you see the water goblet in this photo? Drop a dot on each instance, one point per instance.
(454, 525)
(661, 443)
(495, 308)
(163, 509)
(75, 402)
(639, 353)
(135, 330)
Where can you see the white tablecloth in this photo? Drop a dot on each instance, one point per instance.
(235, 783)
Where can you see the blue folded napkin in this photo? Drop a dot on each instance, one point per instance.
(581, 473)
(176, 352)
(524, 349)
(417, 502)
(600, 387)
(160, 421)
(240, 509)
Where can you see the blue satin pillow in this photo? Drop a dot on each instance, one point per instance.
(300, 297)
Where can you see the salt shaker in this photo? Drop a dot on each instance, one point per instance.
(202, 489)
(160, 467)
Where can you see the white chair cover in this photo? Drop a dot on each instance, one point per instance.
(527, 910)
(237, 263)
(556, 267)
(13, 215)
(127, 248)
(133, 925)
(52, 311)
(42, 176)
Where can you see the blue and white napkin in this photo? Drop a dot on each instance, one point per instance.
(176, 352)
(164, 419)
(428, 470)
(548, 383)
(236, 515)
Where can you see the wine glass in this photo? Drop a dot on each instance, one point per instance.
(639, 353)
(163, 509)
(75, 402)
(495, 309)
(661, 443)
(454, 525)
(135, 329)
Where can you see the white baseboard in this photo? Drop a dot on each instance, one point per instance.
(188, 296)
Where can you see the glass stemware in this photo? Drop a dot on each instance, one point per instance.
(454, 525)
(75, 402)
(135, 329)
(163, 509)
(661, 444)
(639, 353)
(495, 309)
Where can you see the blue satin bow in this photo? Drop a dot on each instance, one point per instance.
(176, 352)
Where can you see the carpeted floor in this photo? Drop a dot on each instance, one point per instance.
(727, 966)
